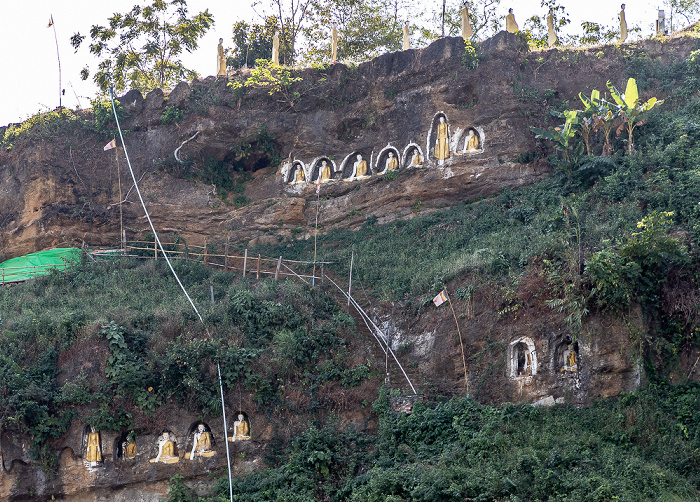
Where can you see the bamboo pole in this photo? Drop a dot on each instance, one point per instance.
(464, 361)
(277, 271)
(155, 248)
(245, 261)
(352, 259)
(257, 275)
(226, 255)
(119, 178)
(205, 252)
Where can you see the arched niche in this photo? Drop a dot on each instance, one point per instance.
(92, 447)
(382, 164)
(522, 358)
(316, 168)
(165, 449)
(241, 430)
(348, 166)
(200, 441)
(412, 156)
(430, 147)
(470, 141)
(297, 166)
(566, 357)
(124, 447)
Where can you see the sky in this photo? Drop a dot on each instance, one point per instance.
(29, 80)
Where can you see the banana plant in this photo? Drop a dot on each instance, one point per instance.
(604, 116)
(630, 108)
(562, 135)
(589, 121)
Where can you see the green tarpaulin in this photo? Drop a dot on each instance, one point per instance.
(35, 264)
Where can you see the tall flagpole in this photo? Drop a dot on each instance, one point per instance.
(464, 361)
(58, 57)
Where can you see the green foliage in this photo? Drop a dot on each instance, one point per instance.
(365, 30)
(472, 56)
(640, 267)
(254, 41)
(40, 127)
(562, 136)
(391, 175)
(630, 108)
(156, 353)
(276, 79)
(172, 114)
(141, 48)
(642, 446)
(103, 116)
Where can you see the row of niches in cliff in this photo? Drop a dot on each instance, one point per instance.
(522, 357)
(443, 146)
(198, 443)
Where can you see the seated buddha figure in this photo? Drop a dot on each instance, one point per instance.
(241, 429)
(201, 444)
(167, 450)
(129, 449)
(416, 159)
(570, 363)
(471, 143)
(299, 176)
(325, 172)
(392, 163)
(359, 168)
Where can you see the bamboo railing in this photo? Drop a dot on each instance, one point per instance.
(251, 266)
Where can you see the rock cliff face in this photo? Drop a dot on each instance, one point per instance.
(63, 189)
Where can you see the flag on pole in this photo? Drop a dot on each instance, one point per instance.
(440, 298)
(318, 185)
(110, 145)
(50, 21)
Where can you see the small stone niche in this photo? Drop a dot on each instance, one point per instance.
(522, 357)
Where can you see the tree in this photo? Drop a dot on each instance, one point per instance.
(689, 9)
(141, 48)
(290, 16)
(366, 29)
(254, 41)
(483, 17)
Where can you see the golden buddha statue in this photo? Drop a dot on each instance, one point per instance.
(93, 452)
(360, 168)
(511, 25)
(392, 163)
(167, 450)
(466, 25)
(416, 160)
(325, 172)
(241, 429)
(334, 44)
(129, 450)
(276, 48)
(552, 38)
(442, 147)
(471, 144)
(623, 25)
(299, 176)
(221, 59)
(201, 444)
(571, 364)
